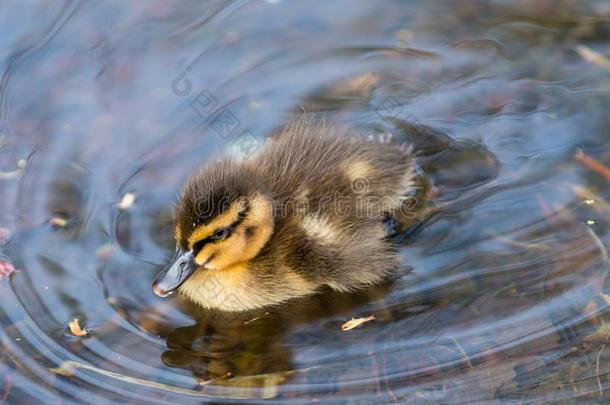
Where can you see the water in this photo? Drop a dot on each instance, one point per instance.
(506, 299)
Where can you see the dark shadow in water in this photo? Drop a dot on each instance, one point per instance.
(250, 343)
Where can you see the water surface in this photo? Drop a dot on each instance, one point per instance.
(507, 298)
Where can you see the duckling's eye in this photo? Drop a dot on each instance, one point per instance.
(220, 234)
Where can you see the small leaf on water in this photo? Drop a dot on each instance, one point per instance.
(601, 334)
(592, 164)
(65, 370)
(355, 322)
(6, 269)
(76, 329)
(593, 56)
(58, 222)
(127, 201)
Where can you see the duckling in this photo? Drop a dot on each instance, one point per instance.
(308, 210)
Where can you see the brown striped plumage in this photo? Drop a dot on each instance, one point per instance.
(306, 211)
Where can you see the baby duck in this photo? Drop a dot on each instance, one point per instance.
(308, 210)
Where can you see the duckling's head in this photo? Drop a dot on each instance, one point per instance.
(223, 220)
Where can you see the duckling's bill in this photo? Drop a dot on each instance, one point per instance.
(175, 274)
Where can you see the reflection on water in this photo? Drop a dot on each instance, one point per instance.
(507, 297)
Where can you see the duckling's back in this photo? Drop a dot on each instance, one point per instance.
(331, 166)
(333, 189)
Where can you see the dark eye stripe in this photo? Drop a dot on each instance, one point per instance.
(199, 245)
(240, 217)
(210, 239)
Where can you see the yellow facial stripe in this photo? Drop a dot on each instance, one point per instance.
(225, 219)
(178, 234)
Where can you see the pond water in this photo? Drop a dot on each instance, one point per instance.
(508, 294)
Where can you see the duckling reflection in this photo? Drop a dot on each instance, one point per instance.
(252, 343)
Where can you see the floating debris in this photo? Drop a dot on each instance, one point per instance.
(21, 165)
(459, 346)
(593, 57)
(600, 335)
(58, 222)
(355, 322)
(592, 164)
(66, 370)
(256, 318)
(128, 200)
(10, 174)
(6, 269)
(599, 381)
(202, 382)
(592, 199)
(76, 329)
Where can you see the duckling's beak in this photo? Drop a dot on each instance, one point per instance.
(175, 274)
